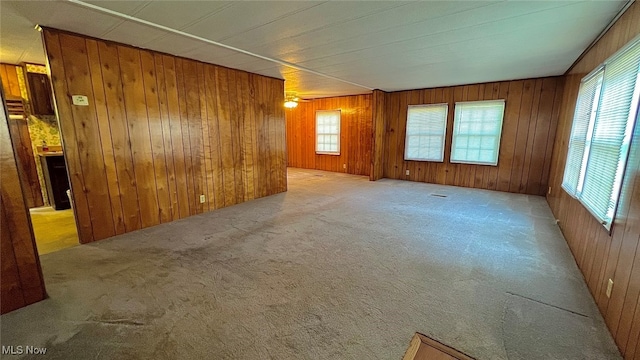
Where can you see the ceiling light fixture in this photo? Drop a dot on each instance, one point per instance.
(290, 104)
(290, 100)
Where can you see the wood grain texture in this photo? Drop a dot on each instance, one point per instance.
(21, 277)
(378, 134)
(528, 134)
(355, 135)
(22, 145)
(601, 256)
(27, 171)
(10, 82)
(159, 132)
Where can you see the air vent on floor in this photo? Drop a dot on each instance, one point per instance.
(439, 195)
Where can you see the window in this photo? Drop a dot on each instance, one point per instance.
(328, 132)
(603, 122)
(426, 127)
(477, 128)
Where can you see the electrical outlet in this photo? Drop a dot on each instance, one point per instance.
(549, 192)
(407, 172)
(202, 199)
(344, 166)
(609, 288)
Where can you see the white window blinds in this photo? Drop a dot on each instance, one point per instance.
(605, 116)
(477, 128)
(328, 132)
(586, 108)
(426, 128)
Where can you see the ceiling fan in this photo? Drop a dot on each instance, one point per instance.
(291, 99)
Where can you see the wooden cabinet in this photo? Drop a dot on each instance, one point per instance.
(39, 89)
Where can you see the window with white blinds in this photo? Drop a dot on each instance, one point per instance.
(583, 120)
(477, 128)
(603, 123)
(328, 132)
(426, 128)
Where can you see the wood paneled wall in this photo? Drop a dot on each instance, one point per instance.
(600, 256)
(10, 82)
(355, 135)
(21, 281)
(379, 127)
(22, 145)
(159, 132)
(528, 134)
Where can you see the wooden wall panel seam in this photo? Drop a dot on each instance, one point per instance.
(113, 184)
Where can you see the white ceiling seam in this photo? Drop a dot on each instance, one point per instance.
(273, 20)
(211, 42)
(142, 6)
(187, 25)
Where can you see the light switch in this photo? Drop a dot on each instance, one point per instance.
(80, 100)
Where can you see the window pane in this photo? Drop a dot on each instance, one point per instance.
(328, 131)
(426, 127)
(476, 132)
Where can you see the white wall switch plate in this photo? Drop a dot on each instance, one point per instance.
(407, 172)
(202, 199)
(609, 288)
(80, 100)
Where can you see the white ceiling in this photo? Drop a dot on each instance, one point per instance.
(324, 48)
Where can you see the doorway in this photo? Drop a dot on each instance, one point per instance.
(36, 139)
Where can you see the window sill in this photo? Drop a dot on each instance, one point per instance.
(472, 163)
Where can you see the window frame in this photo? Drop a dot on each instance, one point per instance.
(633, 118)
(454, 133)
(338, 134)
(444, 132)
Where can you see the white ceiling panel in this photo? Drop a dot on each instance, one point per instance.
(24, 44)
(135, 33)
(190, 12)
(243, 16)
(128, 7)
(363, 27)
(334, 48)
(491, 38)
(178, 45)
(320, 86)
(62, 15)
(310, 21)
(406, 37)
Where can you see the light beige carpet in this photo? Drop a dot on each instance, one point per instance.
(338, 267)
